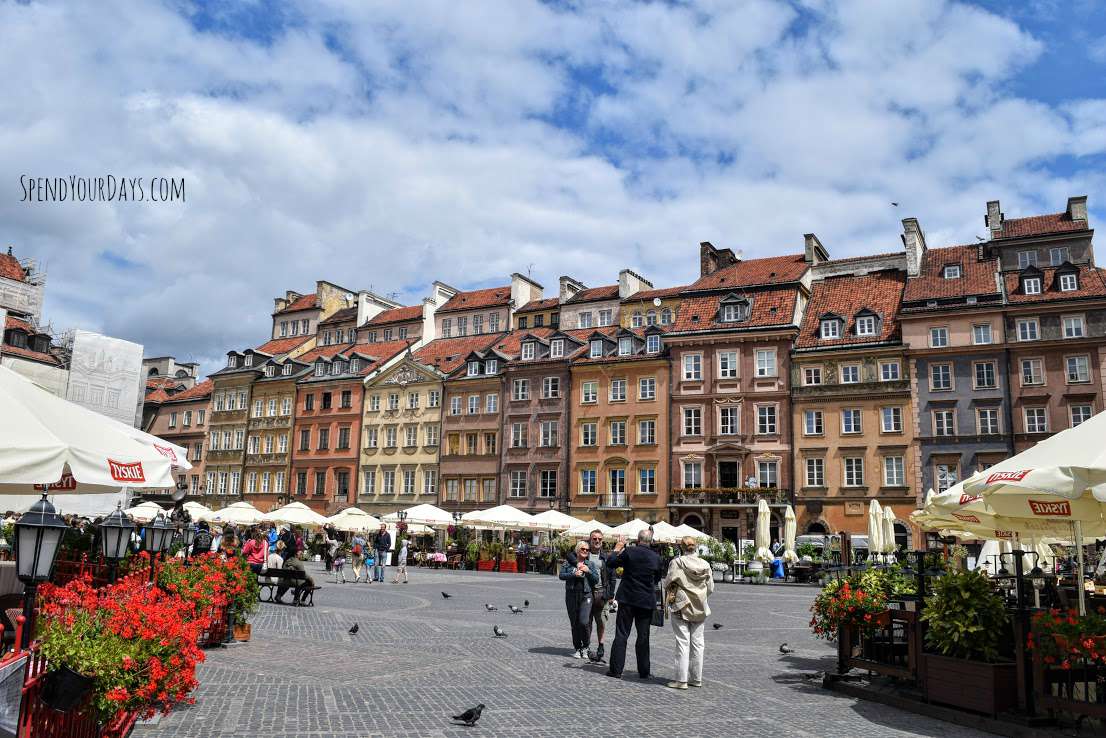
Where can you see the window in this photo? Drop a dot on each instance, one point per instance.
(939, 337)
(477, 325)
(812, 375)
(732, 313)
(372, 336)
(452, 487)
(389, 485)
(474, 404)
(1031, 285)
(471, 444)
(489, 443)
(866, 326)
(320, 368)
(952, 271)
(258, 406)
(647, 480)
(985, 375)
(625, 346)
(854, 471)
(393, 400)
(172, 420)
(587, 481)
(768, 473)
(1027, 258)
(371, 435)
(693, 421)
(693, 367)
(343, 438)
(547, 483)
(1069, 282)
(520, 389)
(1079, 369)
(433, 398)
(618, 390)
(589, 392)
(727, 364)
(519, 433)
(286, 406)
(653, 343)
(894, 471)
(766, 362)
(518, 483)
(389, 437)
(251, 482)
(474, 368)
(831, 329)
(493, 322)
(940, 377)
(200, 417)
(618, 432)
(528, 351)
(324, 439)
(347, 399)
(374, 402)
(636, 320)
(1033, 371)
(891, 419)
(766, 419)
(1027, 329)
(605, 317)
(430, 482)
(666, 316)
(548, 433)
(812, 423)
(1080, 414)
(944, 423)
(850, 420)
(447, 327)
(647, 388)
(727, 421)
(551, 387)
(815, 473)
(412, 400)
(411, 436)
(850, 374)
(269, 444)
(587, 434)
(583, 320)
(253, 445)
(947, 476)
(462, 326)
(305, 439)
(1036, 420)
(595, 350)
(616, 486)
(282, 443)
(986, 421)
(1073, 326)
(491, 402)
(647, 432)
(889, 371)
(431, 435)
(557, 348)
(326, 400)
(693, 474)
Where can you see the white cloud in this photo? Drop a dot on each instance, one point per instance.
(390, 144)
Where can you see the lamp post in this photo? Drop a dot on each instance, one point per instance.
(188, 534)
(38, 535)
(158, 536)
(115, 535)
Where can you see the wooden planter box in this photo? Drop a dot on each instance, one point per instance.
(508, 566)
(971, 685)
(485, 565)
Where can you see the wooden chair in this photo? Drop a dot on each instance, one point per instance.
(453, 562)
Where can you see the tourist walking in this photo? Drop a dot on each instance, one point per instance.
(580, 576)
(603, 593)
(636, 598)
(357, 557)
(687, 586)
(339, 565)
(381, 545)
(401, 563)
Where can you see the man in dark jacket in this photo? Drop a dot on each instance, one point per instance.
(636, 598)
(381, 546)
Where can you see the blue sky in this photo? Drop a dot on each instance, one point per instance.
(394, 143)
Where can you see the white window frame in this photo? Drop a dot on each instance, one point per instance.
(866, 325)
(692, 421)
(727, 364)
(830, 329)
(939, 336)
(815, 471)
(692, 367)
(1074, 322)
(977, 334)
(766, 365)
(854, 414)
(1027, 326)
(1069, 282)
(1038, 413)
(647, 388)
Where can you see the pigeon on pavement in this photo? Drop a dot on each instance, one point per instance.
(716, 626)
(490, 608)
(499, 632)
(785, 649)
(446, 596)
(354, 629)
(514, 609)
(469, 717)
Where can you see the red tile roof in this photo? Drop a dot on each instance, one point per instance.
(29, 354)
(197, 392)
(976, 277)
(1040, 225)
(593, 294)
(536, 305)
(10, 268)
(306, 302)
(397, 315)
(155, 397)
(511, 343)
(845, 296)
(449, 353)
(769, 270)
(1091, 284)
(326, 351)
(475, 299)
(770, 307)
(13, 323)
(160, 382)
(661, 293)
(279, 346)
(341, 316)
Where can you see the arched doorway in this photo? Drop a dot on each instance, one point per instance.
(152, 372)
(816, 529)
(902, 537)
(694, 521)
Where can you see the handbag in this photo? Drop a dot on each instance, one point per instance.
(658, 609)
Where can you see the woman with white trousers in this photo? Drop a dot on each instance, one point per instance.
(687, 586)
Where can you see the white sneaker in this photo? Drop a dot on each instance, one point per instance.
(578, 655)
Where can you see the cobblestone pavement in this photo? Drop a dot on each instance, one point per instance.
(419, 658)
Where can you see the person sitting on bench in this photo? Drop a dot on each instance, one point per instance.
(296, 563)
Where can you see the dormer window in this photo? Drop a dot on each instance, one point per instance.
(866, 325)
(831, 329)
(491, 366)
(653, 343)
(625, 346)
(528, 351)
(474, 369)
(355, 364)
(596, 349)
(320, 368)
(339, 367)
(286, 370)
(232, 362)
(249, 360)
(1031, 285)
(952, 271)
(1069, 282)
(269, 370)
(556, 348)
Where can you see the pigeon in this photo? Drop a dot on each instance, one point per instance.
(895, 204)
(446, 596)
(526, 603)
(469, 717)
(785, 649)
(499, 632)
(490, 608)
(514, 609)
(716, 626)
(354, 629)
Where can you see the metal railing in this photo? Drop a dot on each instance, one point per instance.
(729, 496)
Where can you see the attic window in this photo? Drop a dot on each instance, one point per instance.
(320, 368)
(474, 368)
(866, 325)
(249, 360)
(625, 346)
(491, 366)
(1069, 282)
(556, 348)
(528, 351)
(831, 329)
(269, 370)
(232, 362)
(596, 349)
(1031, 285)
(354, 364)
(952, 271)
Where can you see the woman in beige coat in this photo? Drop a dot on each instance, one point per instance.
(687, 586)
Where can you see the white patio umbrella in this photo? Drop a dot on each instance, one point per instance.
(198, 512)
(583, 530)
(555, 520)
(875, 529)
(991, 557)
(507, 517)
(889, 545)
(354, 520)
(666, 533)
(687, 530)
(424, 514)
(630, 529)
(763, 536)
(294, 513)
(789, 524)
(239, 513)
(48, 444)
(144, 512)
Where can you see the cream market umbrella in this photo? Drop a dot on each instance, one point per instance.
(424, 514)
(51, 444)
(875, 529)
(583, 530)
(889, 533)
(294, 513)
(554, 520)
(354, 520)
(666, 533)
(240, 513)
(789, 555)
(145, 512)
(198, 512)
(630, 529)
(763, 536)
(991, 557)
(501, 516)
(687, 530)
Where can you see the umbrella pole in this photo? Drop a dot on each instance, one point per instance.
(1079, 567)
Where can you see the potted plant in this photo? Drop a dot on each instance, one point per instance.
(844, 604)
(967, 623)
(1064, 639)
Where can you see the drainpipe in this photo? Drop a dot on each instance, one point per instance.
(1009, 400)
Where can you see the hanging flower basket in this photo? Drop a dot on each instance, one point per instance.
(63, 689)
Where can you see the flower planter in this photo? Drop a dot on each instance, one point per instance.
(485, 565)
(508, 566)
(882, 620)
(242, 631)
(63, 689)
(993, 687)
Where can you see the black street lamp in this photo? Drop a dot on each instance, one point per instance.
(115, 536)
(188, 534)
(38, 535)
(159, 534)
(402, 514)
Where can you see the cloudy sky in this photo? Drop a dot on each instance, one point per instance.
(384, 145)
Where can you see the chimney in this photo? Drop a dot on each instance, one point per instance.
(1077, 207)
(569, 287)
(523, 290)
(712, 259)
(630, 282)
(279, 303)
(994, 218)
(815, 252)
(915, 242)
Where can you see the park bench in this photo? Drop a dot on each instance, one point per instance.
(271, 579)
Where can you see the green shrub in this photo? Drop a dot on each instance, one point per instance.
(967, 619)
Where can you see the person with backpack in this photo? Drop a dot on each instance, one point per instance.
(357, 557)
(201, 542)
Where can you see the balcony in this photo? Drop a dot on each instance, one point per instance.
(276, 421)
(222, 456)
(730, 497)
(266, 459)
(614, 502)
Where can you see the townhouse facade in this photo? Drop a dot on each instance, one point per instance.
(267, 461)
(182, 418)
